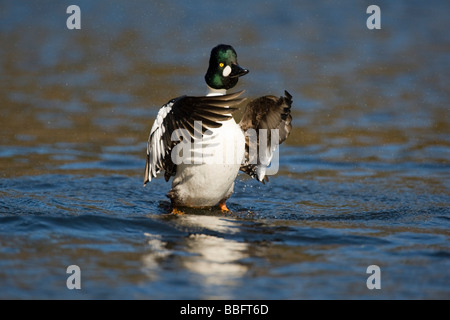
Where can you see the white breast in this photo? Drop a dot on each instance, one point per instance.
(204, 183)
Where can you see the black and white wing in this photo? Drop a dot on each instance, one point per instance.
(181, 113)
(273, 115)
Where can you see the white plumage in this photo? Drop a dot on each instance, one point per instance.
(204, 185)
(196, 139)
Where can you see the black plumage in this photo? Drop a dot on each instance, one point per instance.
(267, 112)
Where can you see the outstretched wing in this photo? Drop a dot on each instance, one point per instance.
(268, 112)
(181, 113)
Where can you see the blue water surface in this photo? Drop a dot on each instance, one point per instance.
(363, 178)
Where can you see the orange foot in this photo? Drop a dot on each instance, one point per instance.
(176, 211)
(223, 207)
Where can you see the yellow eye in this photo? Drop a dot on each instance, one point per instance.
(221, 64)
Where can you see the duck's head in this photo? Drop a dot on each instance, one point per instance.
(223, 71)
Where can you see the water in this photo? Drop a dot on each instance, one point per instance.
(363, 180)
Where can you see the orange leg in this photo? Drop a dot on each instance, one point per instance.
(223, 207)
(176, 211)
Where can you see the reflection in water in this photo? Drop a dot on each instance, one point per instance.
(214, 223)
(368, 157)
(214, 262)
(216, 259)
(158, 252)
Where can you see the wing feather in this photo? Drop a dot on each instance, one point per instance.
(181, 113)
(267, 112)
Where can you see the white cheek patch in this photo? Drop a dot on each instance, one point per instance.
(226, 71)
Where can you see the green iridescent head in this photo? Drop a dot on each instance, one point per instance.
(223, 71)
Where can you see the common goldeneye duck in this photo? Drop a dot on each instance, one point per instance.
(196, 139)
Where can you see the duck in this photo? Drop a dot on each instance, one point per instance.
(196, 140)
